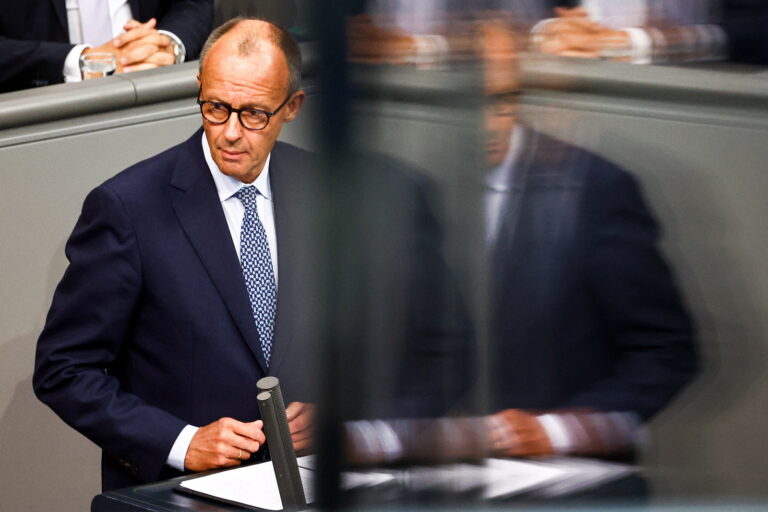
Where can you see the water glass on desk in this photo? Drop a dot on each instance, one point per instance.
(97, 65)
(615, 47)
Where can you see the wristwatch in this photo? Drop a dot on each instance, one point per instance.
(179, 51)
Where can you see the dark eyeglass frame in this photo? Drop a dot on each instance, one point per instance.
(230, 109)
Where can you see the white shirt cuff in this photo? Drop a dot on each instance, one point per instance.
(431, 50)
(179, 449)
(72, 64)
(642, 45)
(176, 40)
(557, 432)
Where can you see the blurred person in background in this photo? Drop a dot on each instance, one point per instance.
(41, 41)
(648, 31)
(638, 31)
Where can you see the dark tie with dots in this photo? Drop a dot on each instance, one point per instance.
(257, 269)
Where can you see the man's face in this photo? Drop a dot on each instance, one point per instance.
(500, 118)
(499, 51)
(259, 81)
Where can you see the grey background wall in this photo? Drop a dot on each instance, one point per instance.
(696, 140)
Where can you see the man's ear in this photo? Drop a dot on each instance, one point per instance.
(198, 80)
(294, 105)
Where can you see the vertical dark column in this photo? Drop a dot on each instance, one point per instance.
(332, 134)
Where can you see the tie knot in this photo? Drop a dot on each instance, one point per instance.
(247, 195)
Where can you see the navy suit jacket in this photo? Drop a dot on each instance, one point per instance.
(34, 35)
(586, 313)
(151, 327)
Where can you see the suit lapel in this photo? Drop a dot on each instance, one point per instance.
(199, 211)
(512, 206)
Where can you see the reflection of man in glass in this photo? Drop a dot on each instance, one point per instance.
(589, 337)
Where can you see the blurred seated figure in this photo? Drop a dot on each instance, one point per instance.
(645, 32)
(638, 31)
(41, 40)
(589, 336)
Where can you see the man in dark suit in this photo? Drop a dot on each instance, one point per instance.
(589, 335)
(586, 317)
(152, 328)
(195, 273)
(35, 38)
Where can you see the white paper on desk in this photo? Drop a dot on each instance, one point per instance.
(256, 485)
(507, 477)
(581, 474)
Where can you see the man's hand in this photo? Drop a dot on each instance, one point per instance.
(574, 34)
(516, 433)
(370, 43)
(142, 47)
(301, 419)
(223, 443)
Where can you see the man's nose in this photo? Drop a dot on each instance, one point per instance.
(233, 130)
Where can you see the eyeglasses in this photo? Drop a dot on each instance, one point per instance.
(503, 105)
(216, 112)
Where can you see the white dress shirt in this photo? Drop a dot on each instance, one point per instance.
(498, 185)
(226, 188)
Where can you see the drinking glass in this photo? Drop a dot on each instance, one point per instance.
(97, 65)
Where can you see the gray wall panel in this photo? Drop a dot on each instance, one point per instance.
(46, 465)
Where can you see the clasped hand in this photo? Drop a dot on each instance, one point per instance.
(140, 47)
(573, 34)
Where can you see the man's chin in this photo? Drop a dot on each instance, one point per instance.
(493, 159)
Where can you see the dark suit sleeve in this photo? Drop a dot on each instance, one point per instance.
(31, 63)
(649, 331)
(191, 21)
(744, 23)
(87, 326)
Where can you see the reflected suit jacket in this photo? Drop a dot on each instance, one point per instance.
(151, 327)
(586, 312)
(34, 35)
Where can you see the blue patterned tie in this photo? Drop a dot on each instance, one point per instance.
(257, 269)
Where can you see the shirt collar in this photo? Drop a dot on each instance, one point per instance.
(227, 186)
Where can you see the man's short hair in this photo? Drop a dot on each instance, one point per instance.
(277, 36)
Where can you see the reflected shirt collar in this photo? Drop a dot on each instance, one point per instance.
(500, 178)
